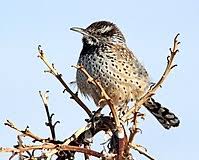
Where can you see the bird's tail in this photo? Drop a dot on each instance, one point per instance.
(166, 118)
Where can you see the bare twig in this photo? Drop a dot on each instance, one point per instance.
(79, 137)
(52, 70)
(120, 132)
(142, 150)
(86, 156)
(122, 143)
(44, 97)
(150, 93)
(103, 93)
(26, 132)
(12, 156)
(133, 131)
(53, 146)
(153, 89)
(119, 145)
(20, 145)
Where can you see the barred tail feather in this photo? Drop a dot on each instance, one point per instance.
(166, 118)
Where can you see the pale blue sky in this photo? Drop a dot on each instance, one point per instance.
(149, 27)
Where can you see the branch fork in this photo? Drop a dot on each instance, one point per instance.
(120, 143)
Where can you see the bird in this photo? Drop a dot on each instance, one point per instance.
(107, 58)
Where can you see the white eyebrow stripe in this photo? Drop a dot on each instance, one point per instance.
(106, 28)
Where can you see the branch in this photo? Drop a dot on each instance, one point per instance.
(133, 131)
(26, 132)
(153, 89)
(119, 145)
(86, 157)
(44, 97)
(104, 123)
(103, 93)
(142, 151)
(58, 147)
(121, 139)
(53, 71)
(149, 93)
(80, 137)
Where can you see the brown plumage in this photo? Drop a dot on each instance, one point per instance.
(107, 59)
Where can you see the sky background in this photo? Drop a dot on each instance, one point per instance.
(149, 28)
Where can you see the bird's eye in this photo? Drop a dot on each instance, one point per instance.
(93, 39)
(98, 33)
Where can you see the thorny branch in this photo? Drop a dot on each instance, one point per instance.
(120, 132)
(44, 97)
(78, 138)
(103, 93)
(71, 144)
(119, 144)
(153, 89)
(59, 147)
(52, 70)
(26, 132)
(142, 150)
(151, 92)
(72, 139)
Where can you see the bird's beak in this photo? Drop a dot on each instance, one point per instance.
(83, 32)
(80, 30)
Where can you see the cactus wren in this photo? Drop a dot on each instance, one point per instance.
(107, 59)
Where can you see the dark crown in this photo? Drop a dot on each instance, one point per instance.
(104, 30)
(101, 32)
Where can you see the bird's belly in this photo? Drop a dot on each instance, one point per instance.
(119, 86)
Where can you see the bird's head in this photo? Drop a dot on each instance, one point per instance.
(101, 32)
